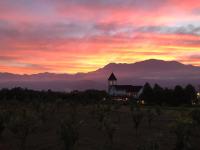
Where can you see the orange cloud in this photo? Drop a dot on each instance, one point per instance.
(81, 36)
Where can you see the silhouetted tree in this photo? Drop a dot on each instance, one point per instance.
(190, 94)
(147, 94)
(168, 96)
(158, 94)
(179, 96)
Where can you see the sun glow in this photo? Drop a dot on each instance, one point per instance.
(71, 37)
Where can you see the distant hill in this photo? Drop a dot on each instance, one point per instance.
(166, 73)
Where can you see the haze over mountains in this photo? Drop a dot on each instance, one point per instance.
(165, 73)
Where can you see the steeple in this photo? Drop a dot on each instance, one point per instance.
(112, 77)
(112, 81)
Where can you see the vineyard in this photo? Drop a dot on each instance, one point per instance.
(61, 125)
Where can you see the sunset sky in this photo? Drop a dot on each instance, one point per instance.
(70, 36)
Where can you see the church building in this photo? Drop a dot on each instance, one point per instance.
(123, 91)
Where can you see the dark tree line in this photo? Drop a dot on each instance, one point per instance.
(175, 97)
(27, 95)
(155, 95)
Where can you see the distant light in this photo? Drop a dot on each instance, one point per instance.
(142, 102)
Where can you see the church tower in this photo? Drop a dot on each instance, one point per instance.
(112, 81)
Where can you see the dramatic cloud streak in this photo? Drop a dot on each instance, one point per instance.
(83, 35)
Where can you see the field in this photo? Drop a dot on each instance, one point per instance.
(66, 126)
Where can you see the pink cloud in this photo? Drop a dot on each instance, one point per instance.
(83, 35)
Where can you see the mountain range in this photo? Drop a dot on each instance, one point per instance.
(165, 73)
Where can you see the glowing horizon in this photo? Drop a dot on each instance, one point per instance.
(84, 35)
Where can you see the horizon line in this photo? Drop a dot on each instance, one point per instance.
(66, 73)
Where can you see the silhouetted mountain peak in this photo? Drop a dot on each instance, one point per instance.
(159, 62)
(152, 70)
(110, 65)
(154, 63)
(150, 65)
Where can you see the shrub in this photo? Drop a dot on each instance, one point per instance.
(4, 119)
(102, 112)
(2, 124)
(183, 131)
(22, 124)
(116, 109)
(149, 146)
(150, 116)
(42, 112)
(69, 133)
(110, 129)
(195, 115)
(158, 110)
(137, 116)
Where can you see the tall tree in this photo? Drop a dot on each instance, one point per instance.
(168, 96)
(147, 94)
(179, 95)
(190, 94)
(158, 94)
